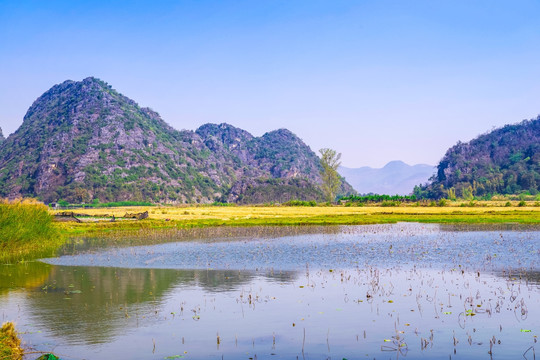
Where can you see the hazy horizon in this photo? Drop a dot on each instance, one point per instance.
(377, 81)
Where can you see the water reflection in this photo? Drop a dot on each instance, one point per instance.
(391, 245)
(342, 293)
(27, 275)
(530, 277)
(91, 305)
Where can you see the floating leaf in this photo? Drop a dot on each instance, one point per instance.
(174, 357)
(447, 312)
(525, 330)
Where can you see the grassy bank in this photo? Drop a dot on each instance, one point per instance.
(26, 229)
(10, 344)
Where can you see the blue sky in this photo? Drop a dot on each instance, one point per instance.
(375, 80)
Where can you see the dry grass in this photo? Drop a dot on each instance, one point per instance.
(10, 344)
(288, 212)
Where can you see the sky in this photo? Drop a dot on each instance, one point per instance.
(375, 80)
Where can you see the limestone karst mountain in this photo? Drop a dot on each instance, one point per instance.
(82, 140)
(502, 161)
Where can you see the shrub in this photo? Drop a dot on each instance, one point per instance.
(522, 203)
(218, 203)
(300, 203)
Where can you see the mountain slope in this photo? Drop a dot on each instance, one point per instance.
(83, 140)
(396, 177)
(503, 161)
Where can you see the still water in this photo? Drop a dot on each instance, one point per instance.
(357, 292)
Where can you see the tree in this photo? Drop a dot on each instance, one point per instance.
(330, 177)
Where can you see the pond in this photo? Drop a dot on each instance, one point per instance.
(420, 291)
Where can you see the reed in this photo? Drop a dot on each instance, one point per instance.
(26, 230)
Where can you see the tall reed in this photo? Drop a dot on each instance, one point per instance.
(26, 230)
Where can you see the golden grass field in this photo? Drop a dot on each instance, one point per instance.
(201, 216)
(269, 212)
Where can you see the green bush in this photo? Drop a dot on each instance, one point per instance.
(300, 203)
(218, 203)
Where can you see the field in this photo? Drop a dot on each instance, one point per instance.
(202, 216)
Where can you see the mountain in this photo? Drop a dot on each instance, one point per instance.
(82, 140)
(503, 161)
(396, 177)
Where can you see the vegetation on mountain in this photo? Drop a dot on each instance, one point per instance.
(504, 161)
(281, 190)
(83, 141)
(331, 180)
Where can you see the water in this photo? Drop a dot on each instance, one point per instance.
(363, 292)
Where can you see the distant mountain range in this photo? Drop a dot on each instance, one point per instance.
(396, 177)
(502, 161)
(82, 140)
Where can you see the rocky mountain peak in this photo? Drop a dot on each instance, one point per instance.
(82, 140)
(216, 135)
